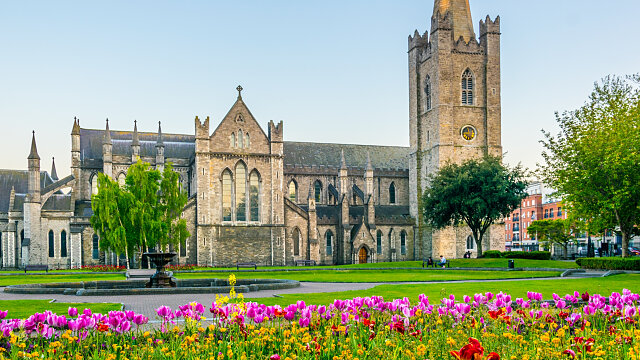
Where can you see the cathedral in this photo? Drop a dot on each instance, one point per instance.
(254, 197)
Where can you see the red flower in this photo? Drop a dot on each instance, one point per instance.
(493, 356)
(274, 357)
(473, 351)
(103, 327)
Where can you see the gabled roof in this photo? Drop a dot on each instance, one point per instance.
(19, 180)
(175, 145)
(317, 154)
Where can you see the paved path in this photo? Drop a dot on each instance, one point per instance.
(147, 304)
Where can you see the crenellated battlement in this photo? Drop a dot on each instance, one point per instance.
(441, 22)
(202, 128)
(471, 47)
(418, 40)
(275, 131)
(489, 27)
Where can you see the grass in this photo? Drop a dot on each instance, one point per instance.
(43, 279)
(603, 286)
(20, 309)
(364, 276)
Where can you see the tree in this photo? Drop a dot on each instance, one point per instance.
(550, 232)
(145, 213)
(477, 193)
(593, 161)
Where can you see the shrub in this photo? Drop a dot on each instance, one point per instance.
(181, 267)
(493, 254)
(531, 255)
(609, 263)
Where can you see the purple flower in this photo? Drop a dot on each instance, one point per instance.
(73, 312)
(164, 311)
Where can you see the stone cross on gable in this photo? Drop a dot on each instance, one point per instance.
(239, 88)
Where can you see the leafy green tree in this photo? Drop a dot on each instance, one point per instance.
(593, 161)
(476, 193)
(145, 213)
(111, 218)
(553, 232)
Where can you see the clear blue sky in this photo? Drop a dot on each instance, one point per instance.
(333, 71)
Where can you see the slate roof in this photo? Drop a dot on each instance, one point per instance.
(175, 145)
(19, 180)
(58, 202)
(316, 154)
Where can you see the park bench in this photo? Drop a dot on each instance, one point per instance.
(36, 268)
(246, 265)
(306, 262)
(435, 264)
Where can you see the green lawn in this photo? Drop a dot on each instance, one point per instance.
(42, 279)
(20, 309)
(603, 286)
(360, 276)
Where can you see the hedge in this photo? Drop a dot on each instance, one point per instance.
(492, 254)
(609, 263)
(532, 255)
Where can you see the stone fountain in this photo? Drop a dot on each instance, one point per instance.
(161, 279)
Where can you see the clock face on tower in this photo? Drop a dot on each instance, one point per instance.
(468, 133)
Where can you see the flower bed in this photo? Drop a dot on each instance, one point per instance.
(485, 326)
(103, 268)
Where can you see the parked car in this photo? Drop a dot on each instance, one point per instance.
(634, 251)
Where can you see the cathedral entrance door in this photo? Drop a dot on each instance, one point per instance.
(362, 254)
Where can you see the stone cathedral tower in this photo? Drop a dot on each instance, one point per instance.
(454, 110)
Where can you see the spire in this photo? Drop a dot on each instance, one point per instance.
(54, 174)
(76, 126)
(343, 163)
(159, 142)
(107, 134)
(136, 140)
(34, 150)
(369, 167)
(460, 13)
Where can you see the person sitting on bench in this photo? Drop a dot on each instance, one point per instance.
(443, 261)
(430, 262)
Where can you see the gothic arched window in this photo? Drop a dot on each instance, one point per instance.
(246, 141)
(318, 191)
(122, 179)
(379, 242)
(296, 242)
(329, 240)
(240, 139)
(241, 192)
(52, 251)
(392, 193)
(254, 196)
(63, 244)
(403, 242)
(233, 140)
(470, 242)
(94, 184)
(293, 191)
(467, 87)
(226, 195)
(427, 93)
(95, 249)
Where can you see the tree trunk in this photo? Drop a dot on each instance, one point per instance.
(478, 244)
(565, 251)
(126, 256)
(625, 244)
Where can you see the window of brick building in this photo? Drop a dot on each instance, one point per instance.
(467, 87)
(427, 93)
(379, 242)
(95, 253)
(63, 244)
(52, 251)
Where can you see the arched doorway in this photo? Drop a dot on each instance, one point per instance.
(362, 255)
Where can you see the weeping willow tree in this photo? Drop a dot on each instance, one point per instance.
(143, 214)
